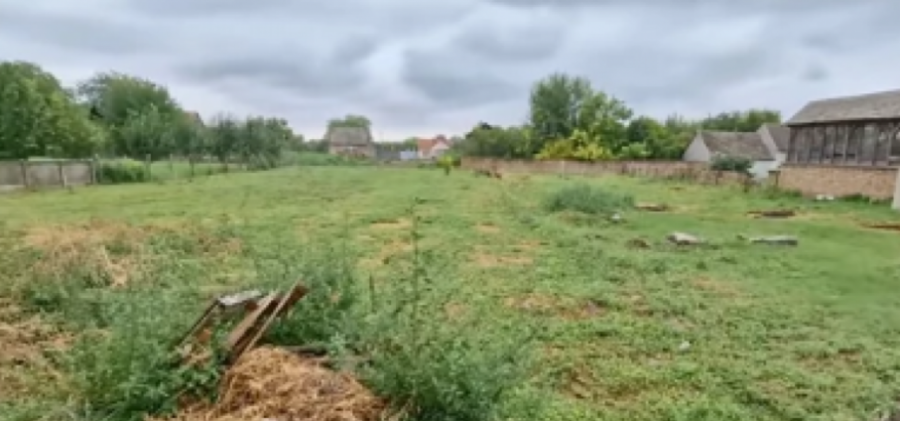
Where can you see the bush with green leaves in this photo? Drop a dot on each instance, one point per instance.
(587, 198)
(731, 163)
(123, 171)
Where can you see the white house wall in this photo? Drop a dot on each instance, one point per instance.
(697, 151)
(760, 169)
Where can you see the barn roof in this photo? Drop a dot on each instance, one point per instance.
(781, 135)
(736, 144)
(874, 106)
(349, 136)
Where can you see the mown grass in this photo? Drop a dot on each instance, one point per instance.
(444, 276)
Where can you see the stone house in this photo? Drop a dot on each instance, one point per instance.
(709, 144)
(351, 141)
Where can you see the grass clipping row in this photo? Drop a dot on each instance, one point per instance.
(276, 384)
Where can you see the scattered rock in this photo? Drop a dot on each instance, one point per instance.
(684, 346)
(775, 240)
(824, 198)
(683, 239)
(638, 243)
(652, 207)
(616, 218)
(777, 213)
(884, 226)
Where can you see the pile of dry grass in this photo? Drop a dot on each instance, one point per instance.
(276, 384)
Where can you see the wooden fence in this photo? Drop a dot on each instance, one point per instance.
(40, 174)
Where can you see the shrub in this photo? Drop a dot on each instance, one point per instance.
(586, 198)
(731, 163)
(123, 171)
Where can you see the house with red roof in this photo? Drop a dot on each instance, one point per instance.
(433, 148)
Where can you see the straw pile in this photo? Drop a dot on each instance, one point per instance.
(276, 384)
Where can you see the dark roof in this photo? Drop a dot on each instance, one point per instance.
(194, 117)
(736, 144)
(781, 135)
(874, 106)
(349, 136)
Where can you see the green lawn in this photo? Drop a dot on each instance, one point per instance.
(726, 331)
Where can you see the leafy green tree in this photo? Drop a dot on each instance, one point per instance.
(605, 119)
(350, 120)
(741, 121)
(555, 108)
(654, 140)
(224, 137)
(561, 104)
(38, 117)
(148, 133)
(486, 140)
(118, 100)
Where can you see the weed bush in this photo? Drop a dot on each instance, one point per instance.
(131, 368)
(123, 171)
(732, 163)
(586, 198)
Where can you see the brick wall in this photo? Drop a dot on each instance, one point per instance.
(694, 171)
(874, 182)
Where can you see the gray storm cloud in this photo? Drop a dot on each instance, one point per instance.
(442, 66)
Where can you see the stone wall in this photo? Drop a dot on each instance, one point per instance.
(874, 182)
(37, 174)
(693, 171)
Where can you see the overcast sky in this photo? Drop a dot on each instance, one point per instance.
(418, 67)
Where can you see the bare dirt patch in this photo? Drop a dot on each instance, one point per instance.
(716, 287)
(551, 305)
(487, 260)
(526, 246)
(773, 213)
(387, 252)
(396, 224)
(454, 310)
(488, 228)
(272, 383)
(884, 226)
(25, 342)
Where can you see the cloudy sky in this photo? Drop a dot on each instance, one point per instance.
(439, 66)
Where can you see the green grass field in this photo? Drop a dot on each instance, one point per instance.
(724, 331)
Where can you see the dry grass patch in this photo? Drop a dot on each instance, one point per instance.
(115, 252)
(271, 383)
(24, 368)
(716, 287)
(387, 252)
(487, 228)
(486, 260)
(555, 306)
(397, 224)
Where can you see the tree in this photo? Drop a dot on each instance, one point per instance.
(350, 120)
(486, 140)
(39, 117)
(741, 121)
(149, 133)
(562, 105)
(555, 105)
(118, 99)
(648, 138)
(224, 137)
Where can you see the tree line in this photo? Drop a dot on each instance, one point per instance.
(118, 115)
(569, 119)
